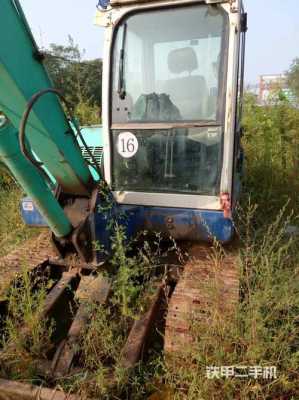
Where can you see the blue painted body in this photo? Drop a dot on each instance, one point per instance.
(179, 223)
(30, 214)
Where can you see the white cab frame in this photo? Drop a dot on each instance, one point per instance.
(110, 20)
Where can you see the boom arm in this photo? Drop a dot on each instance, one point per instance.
(22, 76)
(49, 135)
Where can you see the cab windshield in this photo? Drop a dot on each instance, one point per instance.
(168, 65)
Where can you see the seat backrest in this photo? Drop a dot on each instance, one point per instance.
(188, 93)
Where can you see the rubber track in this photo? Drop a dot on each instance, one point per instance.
(30, 254)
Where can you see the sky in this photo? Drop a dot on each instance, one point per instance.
(272, 40)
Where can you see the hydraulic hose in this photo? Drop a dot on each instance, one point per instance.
(23, 124)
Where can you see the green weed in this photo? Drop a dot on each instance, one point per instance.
(27, 334)
(134, 273)
(264, 332)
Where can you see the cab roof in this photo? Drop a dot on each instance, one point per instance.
(115, 3)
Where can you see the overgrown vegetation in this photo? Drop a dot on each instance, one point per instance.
(134, 274)
(13, 231)
(27, 334)
(263, 333)
(271, 144)
(79, 80)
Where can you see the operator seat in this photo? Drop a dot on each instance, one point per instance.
(188, 93)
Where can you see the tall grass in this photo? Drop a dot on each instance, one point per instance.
(13, 231)
(265, 330)
(271, 143)
(27, 334)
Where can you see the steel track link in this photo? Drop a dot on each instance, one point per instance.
(209, 283)
(29, 255)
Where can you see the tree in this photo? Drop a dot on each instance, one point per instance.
(293, 77)
(272, 134)
(79, 80)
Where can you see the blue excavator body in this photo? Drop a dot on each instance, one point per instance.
(179, 223)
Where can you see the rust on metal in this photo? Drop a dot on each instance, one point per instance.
(58, 290)
(93, 289)
(77, 211)
(90, 290)
(209, 284)
(33, 252)
(82, 241)
(132, 351)
(10, 390)
(226, 204)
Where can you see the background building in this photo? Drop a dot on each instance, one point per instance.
(269, 83)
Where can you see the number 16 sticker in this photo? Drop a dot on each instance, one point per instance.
(127, 144)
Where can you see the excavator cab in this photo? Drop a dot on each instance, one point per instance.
(173, 80)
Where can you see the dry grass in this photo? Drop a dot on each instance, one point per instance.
(13, 231)
(265, 330)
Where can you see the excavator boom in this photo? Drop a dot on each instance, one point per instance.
(48, 131)
(37, 140)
